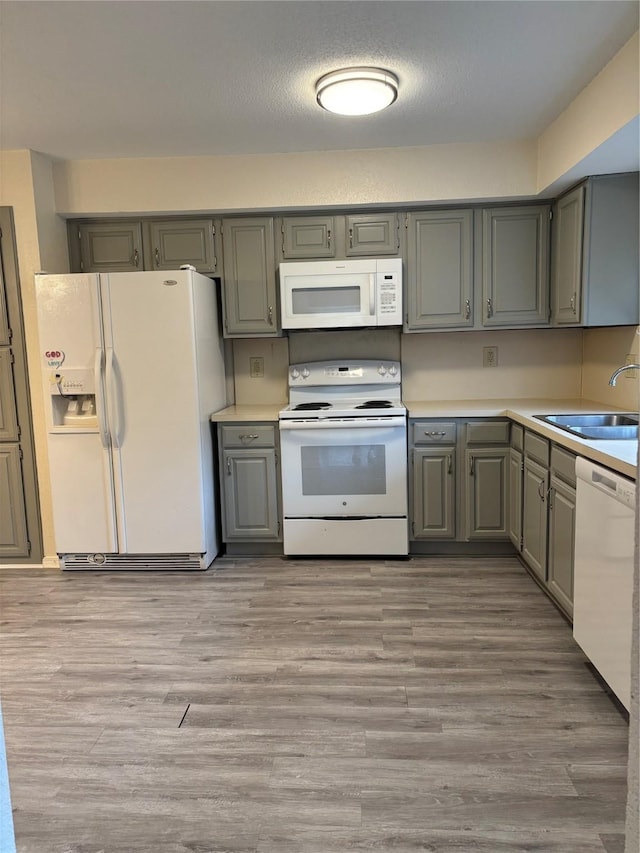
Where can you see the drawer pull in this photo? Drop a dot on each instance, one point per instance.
(228, 466)
(248, 436)
(435, 433)
(449, 466)
(467, 309)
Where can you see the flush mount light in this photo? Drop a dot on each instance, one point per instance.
(357, 91)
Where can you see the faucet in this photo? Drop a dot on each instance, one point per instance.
(614, 376)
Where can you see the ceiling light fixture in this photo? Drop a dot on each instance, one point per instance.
(357, 91)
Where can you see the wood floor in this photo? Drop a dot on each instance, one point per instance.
(275, 706)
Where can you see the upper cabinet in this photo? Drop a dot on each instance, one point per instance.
(363, 235)
(595, 253)
(173, 243)
(439, 269)
(250, 295)
(106, 246)
(308, 237)
(372, 234)
(515, 266)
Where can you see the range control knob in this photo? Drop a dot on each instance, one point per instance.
(382, 370)
(305, 372)
(295, 373)
(393, 370)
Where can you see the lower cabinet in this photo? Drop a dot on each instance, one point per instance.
(249, 482)
(454, 502)
(544, 510)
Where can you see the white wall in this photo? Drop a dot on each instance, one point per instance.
(604, 350)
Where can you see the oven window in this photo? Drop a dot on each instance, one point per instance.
(325, 300)
(347, 469)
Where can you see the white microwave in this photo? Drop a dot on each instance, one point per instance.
(341, 294)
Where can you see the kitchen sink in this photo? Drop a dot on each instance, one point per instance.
(612, 426)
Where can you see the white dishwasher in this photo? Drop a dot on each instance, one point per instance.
(603, 574)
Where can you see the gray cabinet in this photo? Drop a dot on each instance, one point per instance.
(106, 247)
(562, 521)
(372, 234)
(8, 413)
(175, 242)
(595, 253)
(250, 296)
(432, 479)
(308, 237)
(535, 485)
(249, 482)
(13, 527)
(439, 269)
(516, 472)
(515, 266)
(486, 493)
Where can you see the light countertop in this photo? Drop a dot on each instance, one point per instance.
(268, 412)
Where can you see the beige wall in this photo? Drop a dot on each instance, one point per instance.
(604, 350)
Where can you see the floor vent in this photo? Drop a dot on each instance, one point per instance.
(132, 562)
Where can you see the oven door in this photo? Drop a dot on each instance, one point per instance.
(344, 467)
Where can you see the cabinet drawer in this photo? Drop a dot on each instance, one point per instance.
(536, 447)
(563, 464)
(517, 437)
(488, 432)
(434, 432)
(248, 435)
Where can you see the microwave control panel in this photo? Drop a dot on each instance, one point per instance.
(389, 292)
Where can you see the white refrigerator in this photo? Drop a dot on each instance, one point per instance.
(133, 367)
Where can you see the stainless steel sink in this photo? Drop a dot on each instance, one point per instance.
(613, 426)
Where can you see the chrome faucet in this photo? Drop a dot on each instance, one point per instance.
(614, 376)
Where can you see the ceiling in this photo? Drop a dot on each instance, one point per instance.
(146, 79)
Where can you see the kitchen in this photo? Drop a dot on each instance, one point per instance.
(540, 363)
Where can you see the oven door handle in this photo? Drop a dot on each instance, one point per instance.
(345, 423)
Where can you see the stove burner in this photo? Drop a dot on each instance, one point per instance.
(376, 404)
(310, 407)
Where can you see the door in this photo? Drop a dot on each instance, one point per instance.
(371, 234)
(110, 246)
(249, 277)
(486, 493)
(568, 231)
(308, 237)
(440, 269)
(189, 241)
(515, 266)
(534, 517)
(515, 497)
(344, 469)
(152, 398)
(434, 494)
(562, 524)
(250, 494)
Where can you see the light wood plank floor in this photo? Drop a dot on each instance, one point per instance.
(275, 706)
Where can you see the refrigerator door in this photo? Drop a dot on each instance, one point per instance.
(69, 321)
(152, 397)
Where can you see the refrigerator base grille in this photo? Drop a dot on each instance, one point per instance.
(132, 562)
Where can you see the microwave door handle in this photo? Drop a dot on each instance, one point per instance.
(372, 295)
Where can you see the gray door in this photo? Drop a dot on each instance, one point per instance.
(249, 277)
(515, 498)
(486, 493)
(249, 484)
(20, 533)
(562, 519)
(440, 269)
(434, 496)
(308, 237)
(568, 230)
(178, 242)
(370, 234)
(534, 517)
(515, 266)
(110, 247)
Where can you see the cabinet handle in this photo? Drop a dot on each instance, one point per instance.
(489, 308)
(471, 467)
(350, 238)
(572, 303)
(329, 238)
(435, 433)
(249, 436)
(228, 466)
(467, 309)
(541, 490)
(549, 501)
(270, 316)
(136, 258)
(449, 465)
(157, 257)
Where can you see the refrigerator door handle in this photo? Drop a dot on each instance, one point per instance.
(115, 419)
(100, 401)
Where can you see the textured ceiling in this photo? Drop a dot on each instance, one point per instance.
(135, 79)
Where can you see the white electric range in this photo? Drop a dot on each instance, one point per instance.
(344, 459)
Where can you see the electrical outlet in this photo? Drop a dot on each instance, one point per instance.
(631, 359)
(490, 356)
(256, 367)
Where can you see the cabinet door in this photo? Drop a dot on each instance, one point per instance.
(110, 247)
(184, 242)
(562, 521)
(249, 277)
(8, 413)
(433, 514)
(371, 234)
(13, 519)
(308, 237)
(249, 485)
(439, 269)
(486, 493)
(515, 498)
(568, 231)
(515, 266)
(534, 517)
